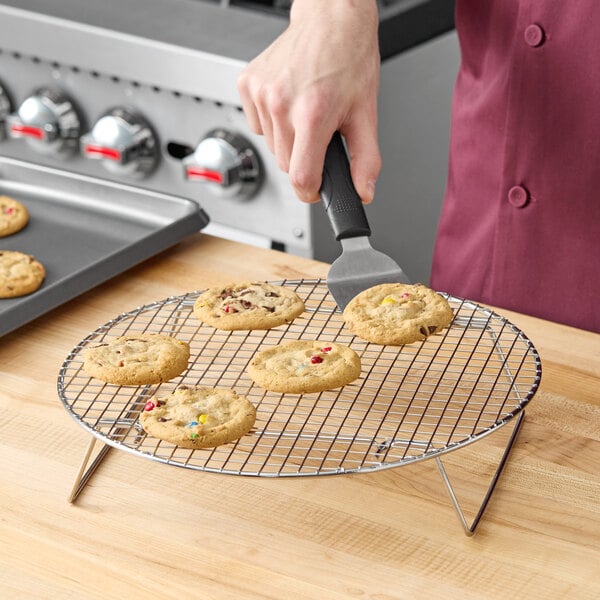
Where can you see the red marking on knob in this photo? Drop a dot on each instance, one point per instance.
(204, 174)
(28, 131)
(102, 152)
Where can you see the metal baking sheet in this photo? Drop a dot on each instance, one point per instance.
(85, 231)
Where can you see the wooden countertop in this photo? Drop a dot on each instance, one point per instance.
(142, 529)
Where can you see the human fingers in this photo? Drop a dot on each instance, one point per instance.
(365, 157)
(283, 132)
(266, 108)
(283, 142)
(266, 124)
(306, 161)
(248, 105)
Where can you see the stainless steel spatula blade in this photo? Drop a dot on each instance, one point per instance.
(360, 266)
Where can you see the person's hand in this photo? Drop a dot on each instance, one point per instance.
(319, 76)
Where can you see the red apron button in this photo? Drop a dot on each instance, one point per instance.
(534, 35)
(518, 196)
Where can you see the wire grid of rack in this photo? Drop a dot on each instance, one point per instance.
(410, 403)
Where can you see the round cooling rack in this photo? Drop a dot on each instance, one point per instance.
(410, 403)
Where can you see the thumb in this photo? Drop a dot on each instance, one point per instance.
(365, 158)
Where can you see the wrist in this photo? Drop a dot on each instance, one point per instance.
(363, 9)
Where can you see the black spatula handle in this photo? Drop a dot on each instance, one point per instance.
(342, 203)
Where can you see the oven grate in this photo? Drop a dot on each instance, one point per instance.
(411, 402)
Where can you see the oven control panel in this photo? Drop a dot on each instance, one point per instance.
(100, 125)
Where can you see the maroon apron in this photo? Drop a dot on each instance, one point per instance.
(520, 223)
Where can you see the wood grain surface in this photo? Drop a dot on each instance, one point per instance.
(142, 529)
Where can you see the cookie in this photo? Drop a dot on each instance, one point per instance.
(253, 305)
(198, 417)
(13, 216)
(303, 366)
(20, 274)
(396, 314)
(137, 359)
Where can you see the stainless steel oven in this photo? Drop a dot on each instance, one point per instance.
(142, 94)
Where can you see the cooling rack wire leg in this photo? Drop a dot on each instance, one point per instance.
(470, 529)
(83, 476)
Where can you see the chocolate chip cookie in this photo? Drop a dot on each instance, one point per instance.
(137, 359)
(13, 216)
(249, 305)
(303, 366)
(20, 274)
(396, 314)
(198, 417)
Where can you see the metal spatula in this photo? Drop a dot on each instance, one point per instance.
(360, 266)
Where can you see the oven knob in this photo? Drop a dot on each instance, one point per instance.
(5, 110)
(48, 121)
(124, 141)
(226, 163)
